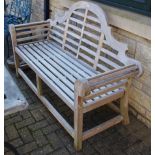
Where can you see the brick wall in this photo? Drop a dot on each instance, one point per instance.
(140, 91)
(139, 48)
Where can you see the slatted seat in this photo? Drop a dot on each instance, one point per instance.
(79, 59)
(59, 69)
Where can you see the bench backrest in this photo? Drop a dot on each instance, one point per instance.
(83, 31)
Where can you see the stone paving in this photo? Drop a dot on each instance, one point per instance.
(36, 132)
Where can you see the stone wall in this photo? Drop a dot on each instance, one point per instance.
(37, 10)
(133, 29)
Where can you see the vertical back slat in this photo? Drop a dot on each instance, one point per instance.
(98, 50)
(65, 33)
(83, 26)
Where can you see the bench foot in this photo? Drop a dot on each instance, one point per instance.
(124, 109)
(78, 145)
(78, 125)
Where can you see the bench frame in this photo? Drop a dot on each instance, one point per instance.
(83, 87)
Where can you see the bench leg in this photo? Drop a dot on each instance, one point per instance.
(39, 85)
(124, 108)
(17, 63)
(78, 125)
(124, 104)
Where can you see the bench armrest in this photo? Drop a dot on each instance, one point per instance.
(29, 32)
(105, 82)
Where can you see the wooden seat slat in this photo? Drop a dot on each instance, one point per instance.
(61, 55)
(75, 64)
(46, 79)
(47, 73)
(58, 59)
(43, 59)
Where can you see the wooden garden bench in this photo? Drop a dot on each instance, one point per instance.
(79, 59)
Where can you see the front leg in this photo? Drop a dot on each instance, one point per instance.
(124, 103)
(78, 124)
(79, 92)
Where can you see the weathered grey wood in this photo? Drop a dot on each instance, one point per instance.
(39, 85)
(72, 58)
(74, 27)
(93, 36)
(31, 38)
(93, 19)
(32, 31)
(56, 63)
(80, 68)
(32, 24)
(53, 70)
(72, 41)
(82, 30)
(103, 101)
(49, 82)
(89, 42)
(105, 90)
(56, 39)
(14, 43)
(47, 72)
(98, 50)
(78, 114)
(113, 72)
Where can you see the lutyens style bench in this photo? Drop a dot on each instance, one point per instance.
(79, 59)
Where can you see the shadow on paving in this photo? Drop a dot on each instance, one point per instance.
(36, 132)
